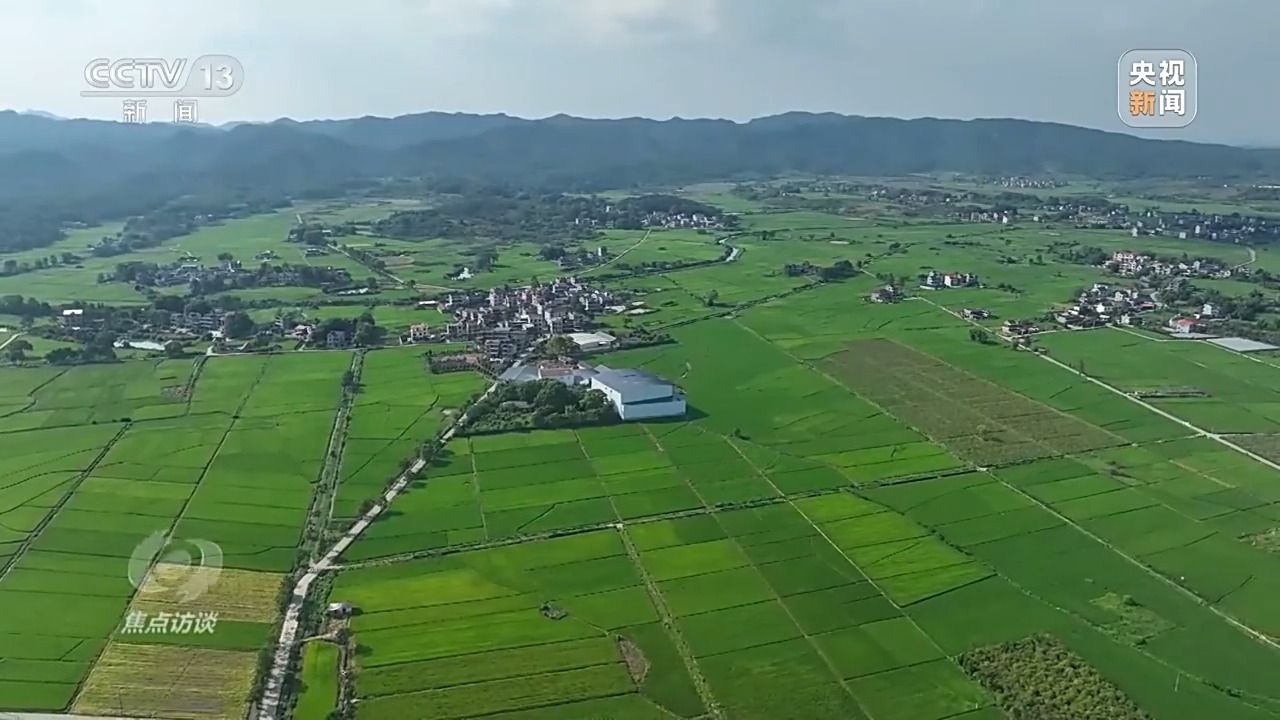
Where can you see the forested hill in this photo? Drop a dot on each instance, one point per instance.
(54, 170)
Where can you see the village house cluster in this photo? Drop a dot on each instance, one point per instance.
(1101, 304)
(190, 270)
(1028, 183)
(1198, 322)
(1129, 263)
(934, 280)
(1018, 328)
(1003, 217)
(1240, 229)
(583, 258)
(503, 322)
(655, 220)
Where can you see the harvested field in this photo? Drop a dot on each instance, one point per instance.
(977, 420)
(168, 681)
(241, 595)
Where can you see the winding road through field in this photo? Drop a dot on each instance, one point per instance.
(1253, 258)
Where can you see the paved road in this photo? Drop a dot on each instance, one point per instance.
(270, 702)
(4, 345)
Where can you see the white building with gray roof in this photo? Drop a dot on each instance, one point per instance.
(638, 395)
(635, 394)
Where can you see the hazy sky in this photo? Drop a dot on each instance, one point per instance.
(1036, 59)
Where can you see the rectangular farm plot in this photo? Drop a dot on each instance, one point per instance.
(401, 404)
(38, 469)
(95, 395)
(1185, 525)
(512, 630)
(238, 595)
(907, 562)
(930, 691)
(762, 621)
(273, 460)
(72, 582)
(1055, 386)
(319, 694)
(1239, 395)
(976, 419)
(768, 682)
(518, 484)
(878, 647)
(168, 681)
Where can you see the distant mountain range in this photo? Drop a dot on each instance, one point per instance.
(90, 168)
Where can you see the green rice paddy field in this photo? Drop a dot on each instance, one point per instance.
(856, 500)
(95, 461)
(400, 405)
(859, 496)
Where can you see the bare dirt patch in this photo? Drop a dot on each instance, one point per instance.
(1267, 540)
(633, 656)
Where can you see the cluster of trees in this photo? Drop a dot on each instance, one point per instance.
(839, 270)
(364, 331)
(573, 256)
(16, 267)
(365, 258)
(499, 213)
(1248, 308)
(24, 307)
(540, 404)
(99, 349)
(149, 275)
(1079, 254)
(16, 350)
(318, 235)
(980, 336)
(509, 215)
(1039, 678)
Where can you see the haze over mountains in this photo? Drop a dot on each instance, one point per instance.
(54, 170)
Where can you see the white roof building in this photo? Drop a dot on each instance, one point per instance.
(589, 341)
(637, 395)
